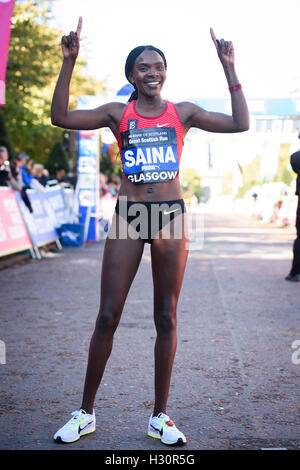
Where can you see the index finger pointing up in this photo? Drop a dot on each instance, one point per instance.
(79, 26)
(213, 37)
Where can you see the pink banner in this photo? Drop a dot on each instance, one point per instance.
(13, 233)
(6, 9)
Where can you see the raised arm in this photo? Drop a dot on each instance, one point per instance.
(103, 116)
(195, 116)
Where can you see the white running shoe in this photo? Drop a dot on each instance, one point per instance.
(80, 424)
(161, 427)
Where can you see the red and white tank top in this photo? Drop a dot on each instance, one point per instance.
(150, 147)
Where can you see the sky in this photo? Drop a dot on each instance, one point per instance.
(265, 35)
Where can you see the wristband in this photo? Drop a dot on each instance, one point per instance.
(233, 88)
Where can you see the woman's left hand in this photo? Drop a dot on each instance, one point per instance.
(225, 50)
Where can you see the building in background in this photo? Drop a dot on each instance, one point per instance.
(226, 162)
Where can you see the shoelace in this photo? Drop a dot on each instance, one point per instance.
(73, 421)
(167, 420)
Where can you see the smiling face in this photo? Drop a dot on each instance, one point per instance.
(149, 73)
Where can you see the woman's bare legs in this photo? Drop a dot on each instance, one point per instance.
(120, 263)
(121, 260)
(169, 258)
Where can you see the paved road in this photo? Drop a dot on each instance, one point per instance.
(234, 384)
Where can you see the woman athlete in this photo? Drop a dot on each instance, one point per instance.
(150, 133)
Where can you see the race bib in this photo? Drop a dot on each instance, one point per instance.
(150, 155)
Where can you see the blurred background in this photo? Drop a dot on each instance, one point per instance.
(238, 367)
(246, 173)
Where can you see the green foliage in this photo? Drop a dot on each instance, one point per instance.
(286, 176)
(57, 158)
(32, 64)
(251, 171)
(106, 165)
(283, 173)
(250, 177)
(191, 182)
(32, 71)
(5, 137)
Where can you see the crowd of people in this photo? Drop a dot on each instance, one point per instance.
(109, 186)
(109, 189)
(22, 173)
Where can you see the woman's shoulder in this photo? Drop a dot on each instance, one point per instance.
(114, 112)
(115, 108)
(186, 110)
(183, 110)
(184, 106)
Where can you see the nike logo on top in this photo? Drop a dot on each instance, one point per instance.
(163, 125)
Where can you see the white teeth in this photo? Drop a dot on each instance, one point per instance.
(152, 83)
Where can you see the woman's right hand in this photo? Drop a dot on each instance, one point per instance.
(70, 43)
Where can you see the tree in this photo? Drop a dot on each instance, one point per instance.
(57, 158)
(5, 137)
(191, 182)
(283, 173)
(32, 71)
(250, 176)
(30, 68)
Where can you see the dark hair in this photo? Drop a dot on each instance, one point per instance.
(20, 155)
(132, 56)
(61, 167)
